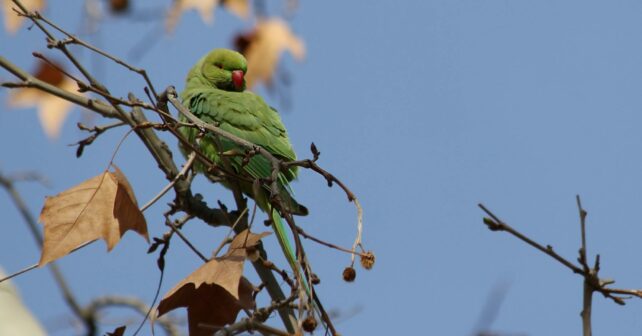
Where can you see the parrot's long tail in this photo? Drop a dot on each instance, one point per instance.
(284, 241)
(290, 255)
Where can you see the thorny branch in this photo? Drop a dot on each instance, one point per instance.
(592, 282)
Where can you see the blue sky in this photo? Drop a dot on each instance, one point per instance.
(424, 109)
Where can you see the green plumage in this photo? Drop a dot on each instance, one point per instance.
(215, 95)
(243, 114)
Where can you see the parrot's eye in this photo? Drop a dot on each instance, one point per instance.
(218, 65)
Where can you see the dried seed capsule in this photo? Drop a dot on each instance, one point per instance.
(309, 324)
(349, 274)
(367, 260)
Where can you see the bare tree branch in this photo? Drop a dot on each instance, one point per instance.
(592, 282)
(30, 81)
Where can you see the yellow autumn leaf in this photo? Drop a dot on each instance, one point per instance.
(103, 207)
(264, 46)
(11, 19)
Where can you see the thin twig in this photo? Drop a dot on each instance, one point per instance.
(590, 274)
(139, 306)
(592, 282)
(495, 224)
(284, 275)
(330, 245)
(189, 244)
(583, 250)
(35, 17)
(310, 164)
(170, 185)
(249, 325)
(263, 314)
(97, 131)
(72, 39)
(357, 240)
(24, 270)
(229, 239)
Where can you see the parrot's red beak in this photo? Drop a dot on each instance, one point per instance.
(237, 79)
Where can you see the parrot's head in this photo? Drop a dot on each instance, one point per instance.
(225, 69)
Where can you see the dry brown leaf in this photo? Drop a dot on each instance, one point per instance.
(11, 19)
(119, 6)
(205, 9)
(101, 207)
(216, 291)
(52, 111)
(263, 48)
(245, 240)
(240, 8)
(209, 307)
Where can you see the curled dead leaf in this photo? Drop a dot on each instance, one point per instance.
(263, 46)
(216, 292)
(11, 19)
(52, 111)
(103, 207)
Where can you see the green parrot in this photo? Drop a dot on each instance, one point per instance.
(215, 93)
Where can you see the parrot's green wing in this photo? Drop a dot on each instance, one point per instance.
(247, 116)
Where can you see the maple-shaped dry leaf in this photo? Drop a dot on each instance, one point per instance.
(52, 111)
(216, 291)
(101, 207)
(263, 47)
(11, 19)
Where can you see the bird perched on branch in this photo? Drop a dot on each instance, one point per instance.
(215, 93)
